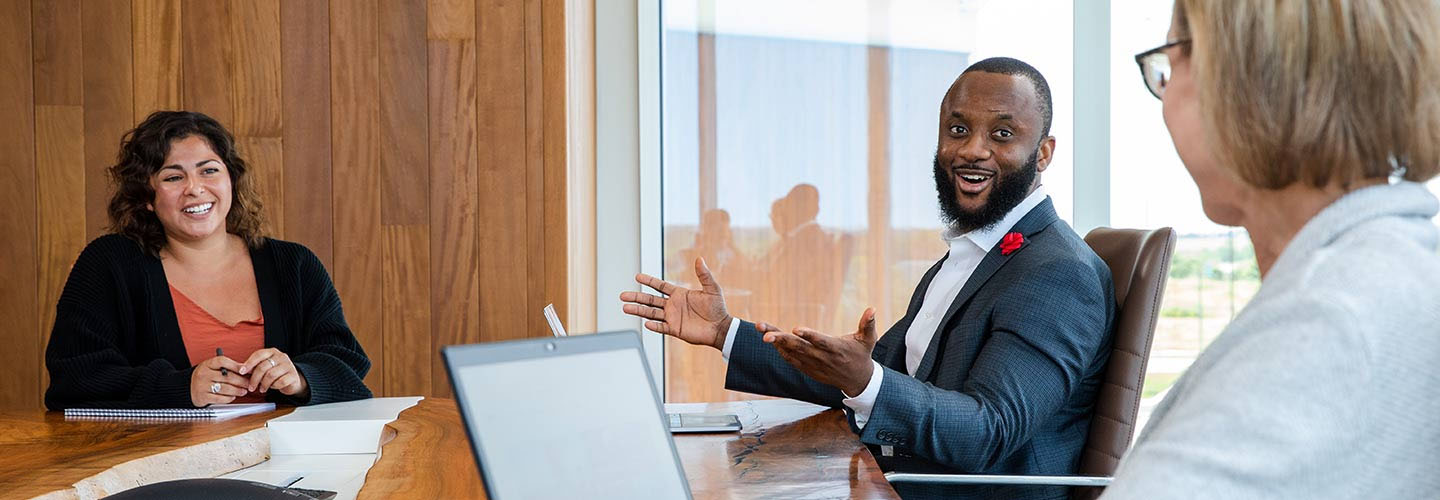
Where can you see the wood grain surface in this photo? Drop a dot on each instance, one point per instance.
(428, 458)
(41, 452)
(19, 363)
(787, 449)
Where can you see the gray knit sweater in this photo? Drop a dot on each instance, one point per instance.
(1327, 385)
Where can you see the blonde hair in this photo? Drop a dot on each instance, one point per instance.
(1318, 91)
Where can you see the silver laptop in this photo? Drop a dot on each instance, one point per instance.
(572, 417)
(678, 422)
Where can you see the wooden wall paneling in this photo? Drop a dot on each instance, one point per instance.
(265, 157)
(108, 100)
(156, 35)
(451, 20)
(59, 156)
(404, 207)
(534, 174)
(255, 88)
(305, 135)
(354, 92)
(60, 180)
(207, 59)
(454, 190)
(57, 55)
(553, 162)
(255, 101)
(503, 193)
(406, 318)
(403, 160)
(19, 364)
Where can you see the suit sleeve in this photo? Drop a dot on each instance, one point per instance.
(1047, 330)
(756, 367)
(326, 352)
(87, 366)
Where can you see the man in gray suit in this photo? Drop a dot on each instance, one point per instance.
(995, 365)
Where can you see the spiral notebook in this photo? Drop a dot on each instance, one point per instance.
(212, 412)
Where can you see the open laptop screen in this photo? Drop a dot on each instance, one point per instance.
(572, 417)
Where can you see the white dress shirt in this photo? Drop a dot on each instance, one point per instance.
(966, 252)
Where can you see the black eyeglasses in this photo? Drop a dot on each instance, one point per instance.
(1155, 67)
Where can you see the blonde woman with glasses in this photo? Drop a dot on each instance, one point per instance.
(1312, 125)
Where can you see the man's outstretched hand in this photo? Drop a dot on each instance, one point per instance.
(840, 362)
(695, 316)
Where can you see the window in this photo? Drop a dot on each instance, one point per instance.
(798, 144)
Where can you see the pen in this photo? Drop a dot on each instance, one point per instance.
(218, 353)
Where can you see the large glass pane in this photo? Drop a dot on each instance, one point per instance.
(798, 145)
(1213, 274)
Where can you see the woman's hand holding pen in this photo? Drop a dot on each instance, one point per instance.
(214, 381)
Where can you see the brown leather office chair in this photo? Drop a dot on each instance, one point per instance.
(1139, 262)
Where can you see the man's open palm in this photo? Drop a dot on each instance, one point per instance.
(695, 316)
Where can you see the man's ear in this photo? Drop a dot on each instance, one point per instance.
(150, 207)
(1045, 153)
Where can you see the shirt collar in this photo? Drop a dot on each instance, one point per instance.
(988, 238)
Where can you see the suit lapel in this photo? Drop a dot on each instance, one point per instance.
(1033, 223)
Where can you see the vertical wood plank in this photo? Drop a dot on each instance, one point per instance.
(264, 156)
(108, 100)
(60, 176)
(305, 97)
(255, 86)
(406, 278)
(57, 55)
(534, 173)
(554, 160)
(20, 361)
(403, 160)
(354, 74)
(208, 58)
(59, 160)
(453, 191)
(255, 102)
(451, 20)
(503, 194)
(156, 34)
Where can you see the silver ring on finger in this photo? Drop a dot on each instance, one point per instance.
(272, 362)
(214, 388)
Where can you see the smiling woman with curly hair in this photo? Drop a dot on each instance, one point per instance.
(188, 303)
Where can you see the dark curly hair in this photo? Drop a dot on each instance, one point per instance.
(142, 153)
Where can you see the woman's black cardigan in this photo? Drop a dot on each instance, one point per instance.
(116, 341)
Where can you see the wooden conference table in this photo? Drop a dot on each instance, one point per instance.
(788, 449)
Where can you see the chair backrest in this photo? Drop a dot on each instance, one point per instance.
(1139, 262)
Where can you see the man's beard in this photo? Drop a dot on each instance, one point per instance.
(1009, 190)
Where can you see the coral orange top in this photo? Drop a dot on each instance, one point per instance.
(202, 333)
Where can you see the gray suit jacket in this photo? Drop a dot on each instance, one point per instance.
(1007, 384)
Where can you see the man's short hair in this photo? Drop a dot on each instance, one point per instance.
(1011, 66)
